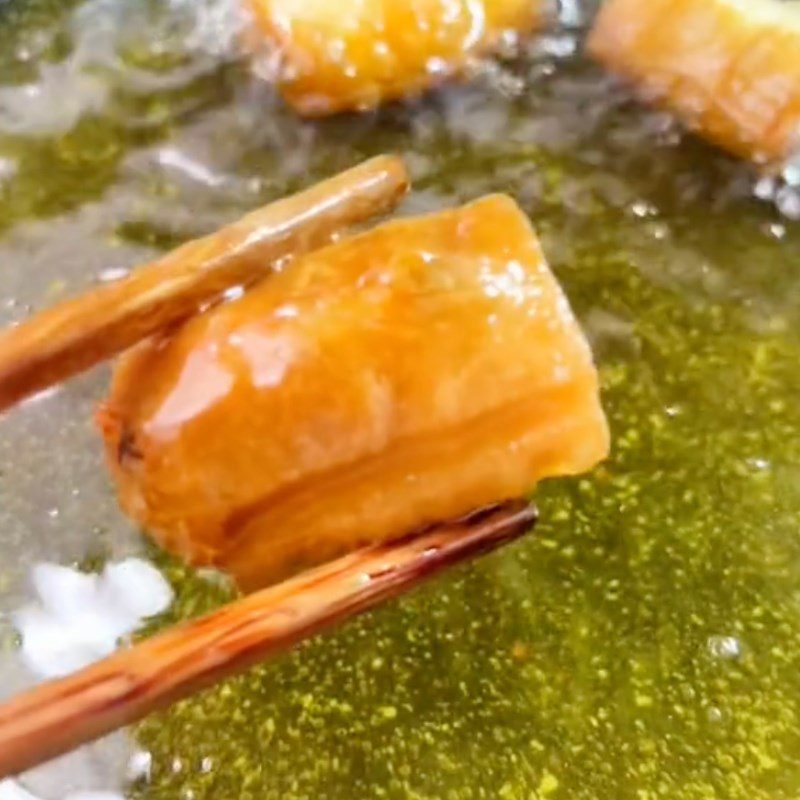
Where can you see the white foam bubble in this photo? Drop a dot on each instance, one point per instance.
(78, 618)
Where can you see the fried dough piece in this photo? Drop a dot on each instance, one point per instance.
(399, 377)
(353, 56)
(729, 68)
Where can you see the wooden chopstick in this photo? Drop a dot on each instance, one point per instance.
(62, 714)
(79, 333)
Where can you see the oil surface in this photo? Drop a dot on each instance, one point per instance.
(645, 642)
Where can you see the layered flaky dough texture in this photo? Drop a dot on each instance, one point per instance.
(399, 377)
(729, 68)
(354, 55)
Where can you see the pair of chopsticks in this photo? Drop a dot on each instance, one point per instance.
(71, 337)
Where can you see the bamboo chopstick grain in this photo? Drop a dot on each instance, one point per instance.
(62, 714)
(79, 333)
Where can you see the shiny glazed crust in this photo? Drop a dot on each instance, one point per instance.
(399, 377)
(729, 68)
(353, 56)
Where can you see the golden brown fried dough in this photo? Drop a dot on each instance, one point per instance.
(353, 56)
(729, 68)
(399, 377)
